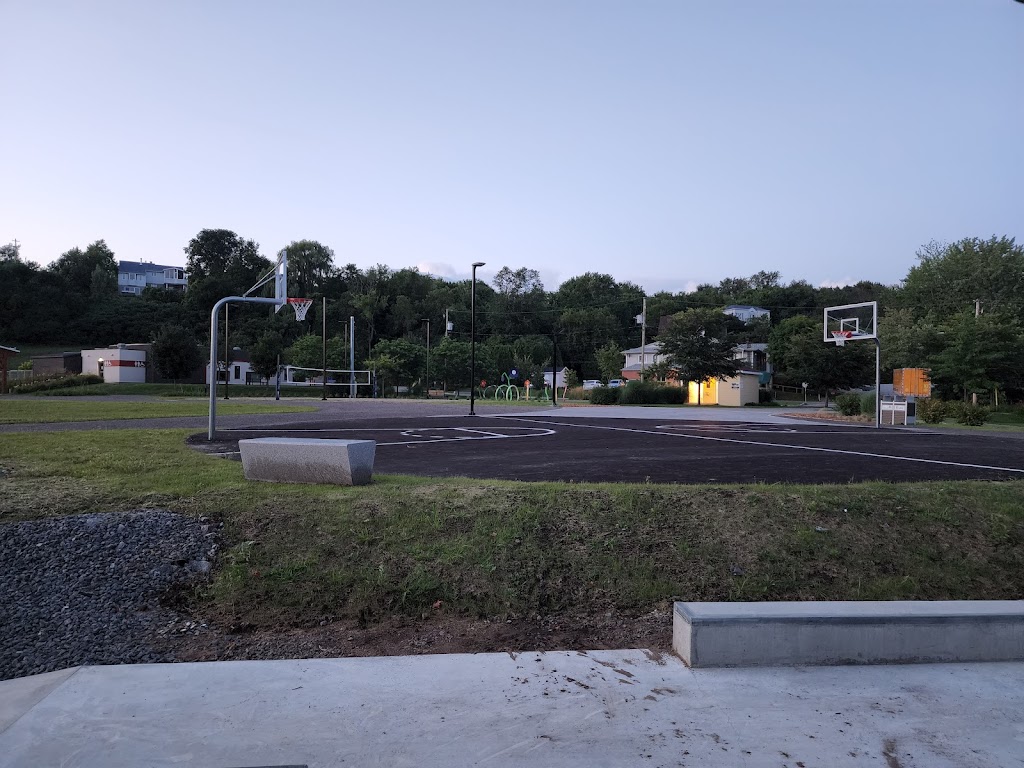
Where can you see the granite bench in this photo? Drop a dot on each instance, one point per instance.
(855, 632)
(308, 460)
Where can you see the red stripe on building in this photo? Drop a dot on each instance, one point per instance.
(126, 363)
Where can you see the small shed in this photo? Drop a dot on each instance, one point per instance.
(735, 391)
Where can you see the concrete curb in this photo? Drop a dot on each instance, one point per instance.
(832, 633)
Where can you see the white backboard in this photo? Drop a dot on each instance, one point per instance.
(851, 322)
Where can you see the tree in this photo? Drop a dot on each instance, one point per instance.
(76, 267)
(176, 352)
(801, 355)
(102, 285)
(950, 277)
(449, 361)
(310, 264)
(401, 359)
(698, 346)
(215, 253)
(609, 361)
(308, 352)
(266, 353)
(10, 252)
(981, 354)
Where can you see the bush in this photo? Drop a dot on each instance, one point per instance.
(56, 381)
(765, 397)
(867, 403)
(931, 410)
(848, 404)
(605, 396)
(649, 393)
(972, 415)
(575, 393)
(955, 409)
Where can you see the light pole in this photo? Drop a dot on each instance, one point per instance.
(472, 341)
(427, 377)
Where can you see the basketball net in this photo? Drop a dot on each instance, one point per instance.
(841, 337)
(301, 307)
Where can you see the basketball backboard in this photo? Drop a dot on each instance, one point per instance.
(851, 322)
(281, 280)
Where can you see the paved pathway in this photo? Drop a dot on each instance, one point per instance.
(567, 709)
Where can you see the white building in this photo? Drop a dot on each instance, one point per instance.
(117, 365)
(746, 313)
(133, 276)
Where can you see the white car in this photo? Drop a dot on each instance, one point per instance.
(612, 383)
(592, 384)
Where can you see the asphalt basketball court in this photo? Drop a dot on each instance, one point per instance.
(656, 445)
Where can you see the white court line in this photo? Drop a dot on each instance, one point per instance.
(774, 445)
(410, 432)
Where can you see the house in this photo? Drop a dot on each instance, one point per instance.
(240, 371)
(118, 364)
(559, 377)
(133, 276)
(741, 389)
(641, 357)
(746, 313)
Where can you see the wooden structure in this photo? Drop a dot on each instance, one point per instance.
(5, 354)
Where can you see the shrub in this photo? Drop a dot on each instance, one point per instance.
(931, 410)
(605, 396)
(575, 393)
(56, 381)
(867, 403)
(765, 397)
(848, 404)
(973, 415)
(650, 393)
(955, 409)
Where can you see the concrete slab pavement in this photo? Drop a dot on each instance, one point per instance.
(599, 708)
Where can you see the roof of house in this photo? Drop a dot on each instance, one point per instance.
(9, 349)
(745, 306)
(143, 266)
(755, 346)
(653, 348)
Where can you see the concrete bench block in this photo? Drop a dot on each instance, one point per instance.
(868, 632)
(308, 460)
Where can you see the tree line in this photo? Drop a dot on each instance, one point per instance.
(957, 312)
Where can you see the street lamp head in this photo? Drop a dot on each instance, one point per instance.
(478, 263)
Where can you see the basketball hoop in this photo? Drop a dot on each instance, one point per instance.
(840, 337)
(301, 307)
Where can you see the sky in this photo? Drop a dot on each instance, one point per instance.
(665, 142)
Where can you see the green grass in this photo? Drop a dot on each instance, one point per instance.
(51, 411)
(994, 426)
(295, 554)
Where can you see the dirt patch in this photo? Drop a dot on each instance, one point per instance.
(831, 416)
(197, 640)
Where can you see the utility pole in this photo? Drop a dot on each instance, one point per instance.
(447, 324)
(352, 356)
(427, 376)
(323, 355)
(643, 338)
(977, 314)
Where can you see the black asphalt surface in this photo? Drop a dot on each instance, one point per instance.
(538, 448)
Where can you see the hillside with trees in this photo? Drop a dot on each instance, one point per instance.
(957, 312)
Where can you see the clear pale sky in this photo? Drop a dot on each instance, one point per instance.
(664, 142)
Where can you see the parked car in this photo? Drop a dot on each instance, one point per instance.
(616, 383)
(592, 384)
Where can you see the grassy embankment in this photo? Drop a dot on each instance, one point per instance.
(295, 554)
(53, 411)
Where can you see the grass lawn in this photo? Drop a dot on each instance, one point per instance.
(295, 554)
(50, 411)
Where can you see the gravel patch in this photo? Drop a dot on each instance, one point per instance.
(87, 589)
